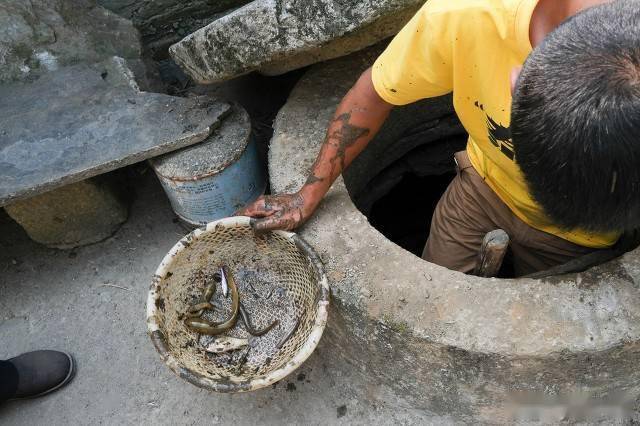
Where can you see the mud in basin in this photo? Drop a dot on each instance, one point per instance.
(279, 280)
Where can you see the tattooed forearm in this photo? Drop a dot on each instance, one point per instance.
(345, 135)
(341, 136)
(313, 179)
(358, 118)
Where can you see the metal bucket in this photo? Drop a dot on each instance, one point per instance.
(213, 179)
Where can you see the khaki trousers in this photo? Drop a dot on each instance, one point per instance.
(469, 209)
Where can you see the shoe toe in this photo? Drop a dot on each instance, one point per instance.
(41, 372)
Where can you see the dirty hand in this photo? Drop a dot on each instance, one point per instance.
(285, 212)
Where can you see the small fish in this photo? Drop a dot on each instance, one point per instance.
(193, 313)
(209, 291)
(253, 290)
(268, 296)
(213, 329)
(243, 360)
(196, 311)
(223, 279)
(279, 291)
(196, 314)
(226, 344)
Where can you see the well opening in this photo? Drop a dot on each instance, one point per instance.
(400, 200)
(399, 179)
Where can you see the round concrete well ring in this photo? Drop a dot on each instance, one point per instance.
(451, 343)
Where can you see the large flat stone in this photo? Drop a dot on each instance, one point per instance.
(276, 36)
(39, 36)
(451, 343)
(163, 22)
(86, 120)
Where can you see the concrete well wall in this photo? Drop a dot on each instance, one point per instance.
(451, 343)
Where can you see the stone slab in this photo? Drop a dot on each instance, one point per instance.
(163, 22)
(281, 35)
(83, 121)
(39, 36)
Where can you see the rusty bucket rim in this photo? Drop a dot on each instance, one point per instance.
(232, 386)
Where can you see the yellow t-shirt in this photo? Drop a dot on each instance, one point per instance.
(469, 47)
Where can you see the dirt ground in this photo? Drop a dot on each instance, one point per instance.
(91, 301)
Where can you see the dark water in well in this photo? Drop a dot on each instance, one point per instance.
(404, 214)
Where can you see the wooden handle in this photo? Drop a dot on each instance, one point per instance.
(494, 248)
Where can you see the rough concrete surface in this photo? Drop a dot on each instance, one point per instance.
(84, 120)
(276, 36)
(449, 342)
(39, 36)
(162, 22)
(75, 215)
(225, 145)
(68, 300)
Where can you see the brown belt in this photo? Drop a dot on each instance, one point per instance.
(462, 161)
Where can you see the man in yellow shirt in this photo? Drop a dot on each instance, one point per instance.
(558, 167)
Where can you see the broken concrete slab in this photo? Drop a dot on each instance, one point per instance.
(472, 343)
(163, 22)
(86, 120)
(275, 36)
(39, 36)
(75, 215)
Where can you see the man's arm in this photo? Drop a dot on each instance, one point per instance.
(356, 121)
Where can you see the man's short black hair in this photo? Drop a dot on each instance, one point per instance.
(576, 119)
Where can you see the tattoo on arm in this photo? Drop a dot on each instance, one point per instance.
(313, 179)
(342, 138)
(346, 135)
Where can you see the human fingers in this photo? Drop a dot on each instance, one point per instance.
(255, 209)
(285, 222)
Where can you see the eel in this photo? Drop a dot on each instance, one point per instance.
(247, 324)
(213, 329)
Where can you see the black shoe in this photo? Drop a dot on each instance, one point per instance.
(41, 372)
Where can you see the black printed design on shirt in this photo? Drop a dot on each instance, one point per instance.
(499, 136)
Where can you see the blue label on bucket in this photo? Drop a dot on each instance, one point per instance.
(214, 197)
